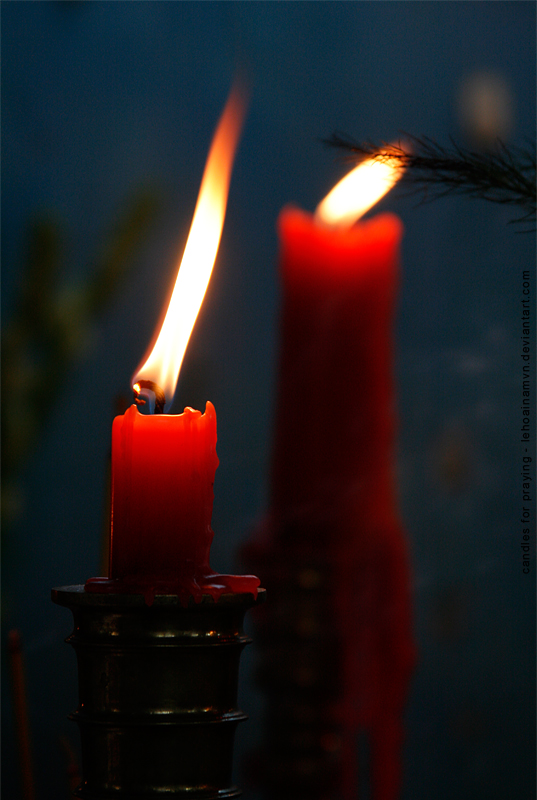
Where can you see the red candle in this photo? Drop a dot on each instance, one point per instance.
(333, 501)
(335, 419)
(339, 284)
(163, 466)
(162, 494)
(333, 488)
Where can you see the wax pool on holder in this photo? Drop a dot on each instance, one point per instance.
(163, 469)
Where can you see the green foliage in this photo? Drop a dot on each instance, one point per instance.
(49, 326)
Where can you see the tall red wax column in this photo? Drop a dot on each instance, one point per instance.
(335, 413)
(333, 541)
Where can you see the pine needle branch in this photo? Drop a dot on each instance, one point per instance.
(506, 175)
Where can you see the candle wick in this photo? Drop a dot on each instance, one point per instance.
(160, 397)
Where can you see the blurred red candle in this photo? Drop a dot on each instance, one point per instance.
(335, 419)
(163, 466)
(335, 413)
(333, 498)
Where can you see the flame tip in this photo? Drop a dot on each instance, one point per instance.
(358, 191)
(164, 361)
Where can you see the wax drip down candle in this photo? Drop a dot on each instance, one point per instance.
(163, 465)
(336, 645)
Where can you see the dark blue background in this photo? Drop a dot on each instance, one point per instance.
(100, 98)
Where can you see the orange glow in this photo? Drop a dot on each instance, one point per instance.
(358, 191)
(164, 362)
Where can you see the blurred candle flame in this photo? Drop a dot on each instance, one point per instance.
(358, 191)
(164, 361)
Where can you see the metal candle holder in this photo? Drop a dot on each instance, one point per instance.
(157, 692)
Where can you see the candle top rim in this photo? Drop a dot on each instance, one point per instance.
(188, 412)
(303, 223)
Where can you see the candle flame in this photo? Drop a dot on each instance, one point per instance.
(358, 191)
(164, 361)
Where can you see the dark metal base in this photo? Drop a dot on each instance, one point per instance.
(299, 655)
(157, 693)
